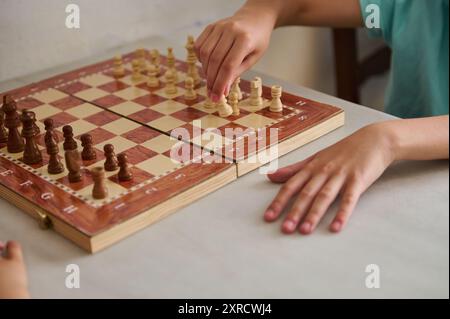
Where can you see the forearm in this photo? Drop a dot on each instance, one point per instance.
(344, 13)
(418, 139)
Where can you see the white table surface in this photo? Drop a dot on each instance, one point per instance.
(220, 246)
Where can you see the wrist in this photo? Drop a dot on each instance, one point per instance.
(387, 141)
(267, 10)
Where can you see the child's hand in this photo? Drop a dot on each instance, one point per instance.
(231, 46)
(13, 277)
(347, 168)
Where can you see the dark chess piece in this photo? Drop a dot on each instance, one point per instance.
(3, 130)
(111, 161)
(73, 165)
(50, 131)
(69, 142)
(15, 142)
(124, 174)
(31, 154)
(88, 153)
(99, 191)
(54, 164)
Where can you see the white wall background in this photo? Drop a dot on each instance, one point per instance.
(33, 35)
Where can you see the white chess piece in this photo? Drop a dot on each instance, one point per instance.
(256, 101)
(171, 88)
(276, 105)
(153, 80)
(225, 109)
(190, 93)
(236, 88)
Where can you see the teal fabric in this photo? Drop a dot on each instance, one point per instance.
(417, 32)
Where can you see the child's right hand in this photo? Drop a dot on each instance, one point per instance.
(13, 276)
(231, 46)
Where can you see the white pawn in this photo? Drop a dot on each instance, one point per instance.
(119, 70)
(156, 60)
(236, 88)
(209, 104)
(171, 88)
(255, 98)
(153, 80)
(276, 105)
(225, 109)
(136, 76)
(190, 93)
(234, 101)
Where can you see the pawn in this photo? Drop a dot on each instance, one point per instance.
(3, 131)
(50, 131)
(119, 70)
(276, 105)
(209, 104)
(124, 174)
(136, 76)
(69, 142)
(190, 93)
(155, 59)
(225, 109)
(233, 101)
(111, 161)
(54, 164)
(153, 81)
(141, 58)
(88, 153)
(99, 191)
(171, 88)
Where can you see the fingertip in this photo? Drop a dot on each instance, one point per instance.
(270, 215)
(336, 226)
(306, 228)
(288, 227)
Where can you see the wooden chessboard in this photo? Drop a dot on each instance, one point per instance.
(139, 121)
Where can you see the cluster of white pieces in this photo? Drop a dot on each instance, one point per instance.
(254, 103)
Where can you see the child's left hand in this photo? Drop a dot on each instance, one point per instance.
(348, 167)
(13, 277)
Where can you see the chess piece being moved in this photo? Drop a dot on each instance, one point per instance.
(3, 130)
(111, 161)
(190, 93)
(99, 191)
(234, 101)
(224, 108)
(50, 131)
(118, 68)
(255, 99)
(73, 165)
(15, 142)
(124, 174)
(136, 75)
(88, 153)
(54, 164)
(276, 105)
(171, 88)
(69, 142)
(236, 88)
(153, 81)
(31, 154)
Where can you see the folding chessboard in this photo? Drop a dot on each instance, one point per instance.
(142, 122)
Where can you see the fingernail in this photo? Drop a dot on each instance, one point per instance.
(270, 214)
(214, 98)
(306, 228)
(289, 226)
(336, 226)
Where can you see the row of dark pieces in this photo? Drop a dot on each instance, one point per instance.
(10, 121)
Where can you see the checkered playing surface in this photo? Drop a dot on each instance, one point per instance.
(148, 151)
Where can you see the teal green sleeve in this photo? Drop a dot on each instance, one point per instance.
(387, 12)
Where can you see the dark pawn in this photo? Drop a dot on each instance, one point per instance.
(111, 161)
(33, 115)
(124, 174)
(50, 131)
(31, 154)
(88, 153)
(73, 165)
(12, 122)
(54, 164)
(3, 131)
(69, 142)
(99, 191)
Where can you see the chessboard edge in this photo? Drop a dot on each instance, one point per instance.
(295, 142)
(113, 235)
